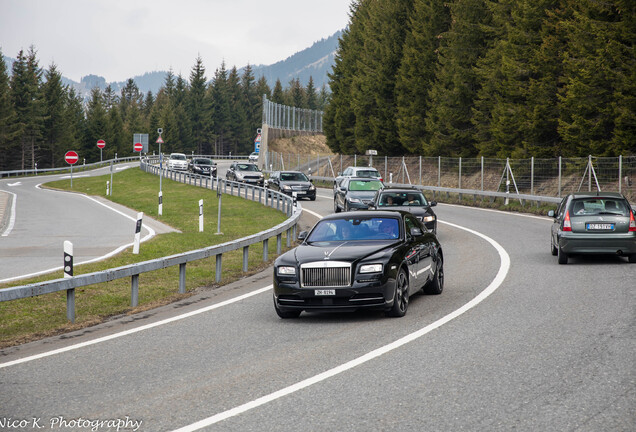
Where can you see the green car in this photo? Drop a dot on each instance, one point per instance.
(593, 223)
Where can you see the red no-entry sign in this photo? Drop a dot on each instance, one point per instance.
(101, 143)
(71, 157)
(138, 147)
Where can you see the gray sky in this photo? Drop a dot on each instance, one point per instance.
(118, 39)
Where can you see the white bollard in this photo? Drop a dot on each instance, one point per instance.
(107, 188)
(200, 215)
(160, 203)
(68, 259)
(140, 216)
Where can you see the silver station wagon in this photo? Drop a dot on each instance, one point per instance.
(593, 223)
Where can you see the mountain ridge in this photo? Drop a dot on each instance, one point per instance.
(315, 61)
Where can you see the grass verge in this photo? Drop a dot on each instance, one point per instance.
(42, 316)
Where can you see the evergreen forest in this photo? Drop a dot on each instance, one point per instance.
(493, 78)
(41, 119)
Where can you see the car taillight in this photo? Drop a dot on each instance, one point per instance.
(567, 226)
(632, 222)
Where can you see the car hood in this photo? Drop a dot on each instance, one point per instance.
(294, 183)
(414, 210)
(340, 251)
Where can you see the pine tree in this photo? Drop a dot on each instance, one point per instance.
(56, 128)
(96, 126)
(453, 94)
(198, 109)
(7, 121)
(221, 114)
(429, 20)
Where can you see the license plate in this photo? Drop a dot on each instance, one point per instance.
(325, 292)
(600, 226)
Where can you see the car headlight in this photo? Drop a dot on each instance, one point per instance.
(286, 188)
(312, 187)
(428, 218)
(286, 271)
(371, 268)
(354, 200)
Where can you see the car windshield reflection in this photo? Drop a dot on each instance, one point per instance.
(350, 229)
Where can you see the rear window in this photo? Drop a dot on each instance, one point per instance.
(599, 206)
(362, 185)
(368, 174)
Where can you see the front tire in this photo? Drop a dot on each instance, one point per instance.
(436, 286)
(336, 209)
(632, 258)
(401, 296)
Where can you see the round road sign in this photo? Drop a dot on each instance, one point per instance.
(138, 147)
(71, 157)
(101, 143)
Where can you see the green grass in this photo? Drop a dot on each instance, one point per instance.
(33, 318)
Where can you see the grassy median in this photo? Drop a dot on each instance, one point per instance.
(37, 317)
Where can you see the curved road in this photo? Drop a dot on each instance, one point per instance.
(515, 342)
(30, 243)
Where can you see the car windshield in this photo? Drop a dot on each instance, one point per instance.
(293, 177)
(402, 199)
(355, 228)
(599, 206)
(246, 167)
(203, 162)
(178, 157)
(365, 185)
(368, 173)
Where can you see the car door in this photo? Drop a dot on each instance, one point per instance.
(419, 252)
(558, 219)
(340, 193)
(275, 181)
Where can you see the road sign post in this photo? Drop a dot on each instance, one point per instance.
(71, 158)
(160, 141)
(101, 144)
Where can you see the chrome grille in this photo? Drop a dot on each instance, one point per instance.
(328, 274)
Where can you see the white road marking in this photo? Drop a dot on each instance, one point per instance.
(151, 234)
(496, 282)
(7, 231)
(134, 330)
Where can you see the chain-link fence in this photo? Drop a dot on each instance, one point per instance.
(547, 177)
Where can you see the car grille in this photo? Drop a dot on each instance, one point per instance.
(332, 274)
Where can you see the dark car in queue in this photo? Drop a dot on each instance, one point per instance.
(359, 260)
(203, 166)
(593, 223)
(290, 182)
(245, 173)
(407, 199)
(355, 193)
(352, 171)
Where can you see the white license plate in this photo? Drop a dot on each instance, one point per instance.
(600, 226)
(325, 292)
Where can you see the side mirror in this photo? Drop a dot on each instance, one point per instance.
(551, 213)
(302, 235)
(416, 232)
(433, 203)
(342, 189)
(311, 180)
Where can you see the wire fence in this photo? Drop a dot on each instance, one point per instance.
(548, 177)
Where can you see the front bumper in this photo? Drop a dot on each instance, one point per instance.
(363, 294)
(301, 193)
(586, 243)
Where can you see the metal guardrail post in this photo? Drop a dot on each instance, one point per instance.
(279, 243)
(182, 278)
(265, 246)
(219, 261)
(245, 258)
(134, 290)
(70, 304)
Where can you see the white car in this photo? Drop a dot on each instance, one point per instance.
(253, 157)
(351, 171)
(178, 161)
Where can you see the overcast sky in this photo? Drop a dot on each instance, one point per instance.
(118, 39)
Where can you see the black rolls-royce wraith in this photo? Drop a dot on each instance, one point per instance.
(359, 260)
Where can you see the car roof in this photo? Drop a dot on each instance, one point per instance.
(291, 172)
(402, 189)
(597, 195)
(367, 214)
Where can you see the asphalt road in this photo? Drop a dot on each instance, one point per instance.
(515, 342)
(37, 221)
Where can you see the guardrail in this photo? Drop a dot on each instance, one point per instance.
(271, 198)
(461, 192)
(76, 168)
